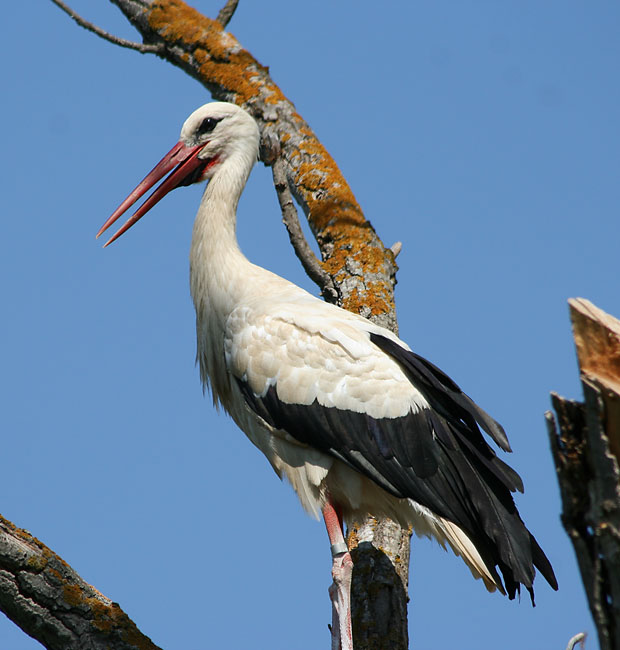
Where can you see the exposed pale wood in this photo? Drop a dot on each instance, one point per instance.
(597, 337)
(577, 639)
(585, 449)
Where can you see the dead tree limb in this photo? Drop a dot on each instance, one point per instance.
(227, 12)
(361, 269)
(311, 265)
(586, 452)
(42, 594)
(123, 42)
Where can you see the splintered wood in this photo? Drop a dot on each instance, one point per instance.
(597, 337)
(586, 453)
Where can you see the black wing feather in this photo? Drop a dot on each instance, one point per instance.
(442, 393)
(436, 457)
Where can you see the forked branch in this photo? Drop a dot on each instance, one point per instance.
(311, 264)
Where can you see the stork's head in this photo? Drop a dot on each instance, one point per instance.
(211, 135)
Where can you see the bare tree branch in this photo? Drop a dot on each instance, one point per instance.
(396, 247)
(226, 12)
(579, 638)
(140, 47)
(311, 265)
(42, 594)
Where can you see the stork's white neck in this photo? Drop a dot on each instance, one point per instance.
(218, 268)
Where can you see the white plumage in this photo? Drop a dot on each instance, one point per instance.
(340, 407)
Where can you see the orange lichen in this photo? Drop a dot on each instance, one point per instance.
(374, 298)
(37, 562)
(178, 21)
(27, 537)
(352, 537)
(72, 594)
(107, 617)
(370, 258)
(201, 55)
(55, 574)
(222, 59)
(322, 173)
(275, 95)
(111, 618)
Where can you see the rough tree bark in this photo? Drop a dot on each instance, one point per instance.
(42, 594)
(38, 590)
(586, 453)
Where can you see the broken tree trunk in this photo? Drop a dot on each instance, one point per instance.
(586, 449)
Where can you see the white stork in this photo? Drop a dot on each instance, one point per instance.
(357, 422)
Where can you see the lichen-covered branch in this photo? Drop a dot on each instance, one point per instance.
(42, 594)
(585, 444)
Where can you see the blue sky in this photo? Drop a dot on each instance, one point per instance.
(483, 135)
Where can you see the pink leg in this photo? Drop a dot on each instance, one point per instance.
(340, 590)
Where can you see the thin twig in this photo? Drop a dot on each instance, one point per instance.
(140, 47)
(578, 638)
(396, 247)
(226, 12)
(302, 249)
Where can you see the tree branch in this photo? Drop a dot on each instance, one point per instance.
(226, 12)
(42, 594)
(82, 22)
(577, 639)
(311, 265)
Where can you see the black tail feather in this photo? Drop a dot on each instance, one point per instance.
(471, 473)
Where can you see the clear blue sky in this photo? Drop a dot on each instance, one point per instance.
(483, 135)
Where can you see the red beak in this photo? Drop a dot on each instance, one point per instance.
(187, 167)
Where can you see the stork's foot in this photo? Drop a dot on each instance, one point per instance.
(340, 594)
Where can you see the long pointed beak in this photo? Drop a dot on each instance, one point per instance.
(184, 162)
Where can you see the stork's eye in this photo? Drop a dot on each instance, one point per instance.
(207, 125)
